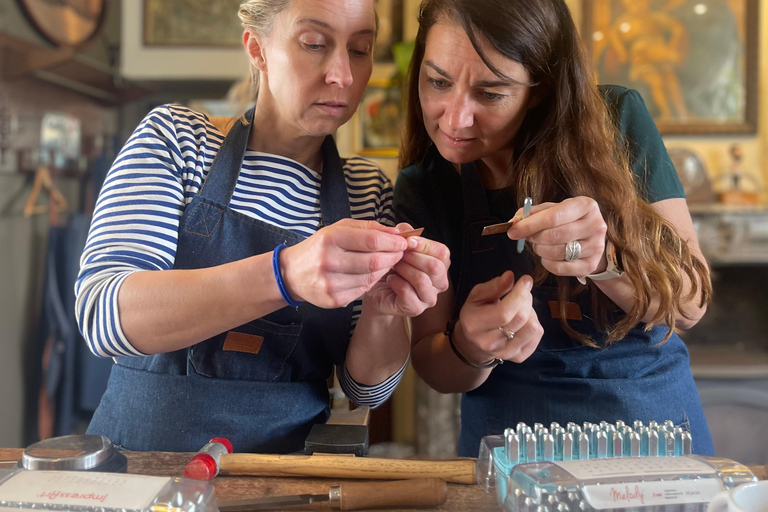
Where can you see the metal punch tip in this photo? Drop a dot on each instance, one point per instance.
(526, 212)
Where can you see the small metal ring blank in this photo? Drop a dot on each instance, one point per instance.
(509, 334)
(572, 250)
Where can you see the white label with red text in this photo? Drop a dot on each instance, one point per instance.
(637, 494)
(76, 488)
(598, 470)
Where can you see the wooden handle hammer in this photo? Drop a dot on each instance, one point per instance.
(334, 466)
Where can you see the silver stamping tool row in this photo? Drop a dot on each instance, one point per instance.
(594, 441)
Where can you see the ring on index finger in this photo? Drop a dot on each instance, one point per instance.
(572, 250)
(506, 332)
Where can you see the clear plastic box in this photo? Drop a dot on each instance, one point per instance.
(655, 447)
(103, 492)
(499, 453)
(637, 484)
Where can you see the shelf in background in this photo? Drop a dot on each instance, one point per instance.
(65, 68)
(732, 235)
(727, 362)
(719, 209)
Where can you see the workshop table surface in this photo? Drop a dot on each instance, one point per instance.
(461, 497)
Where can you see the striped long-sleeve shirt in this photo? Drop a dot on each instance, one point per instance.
(156, 175)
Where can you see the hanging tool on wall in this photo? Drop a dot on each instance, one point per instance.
(57, 202)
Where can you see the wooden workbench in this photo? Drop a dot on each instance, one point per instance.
(460, 497)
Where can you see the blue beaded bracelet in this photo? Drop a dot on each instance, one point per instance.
(279, 277)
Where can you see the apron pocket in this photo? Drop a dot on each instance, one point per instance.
(257, 351)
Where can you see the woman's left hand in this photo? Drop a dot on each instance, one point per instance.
(415, 281)
(551, 227)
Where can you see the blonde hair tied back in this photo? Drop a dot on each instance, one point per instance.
(257, 16)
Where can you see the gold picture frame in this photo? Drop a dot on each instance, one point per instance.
(694, 62)
(192, 23)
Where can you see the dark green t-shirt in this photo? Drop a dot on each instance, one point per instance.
(431, 197)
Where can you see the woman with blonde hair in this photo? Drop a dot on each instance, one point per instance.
(228, 273)
(501, 106)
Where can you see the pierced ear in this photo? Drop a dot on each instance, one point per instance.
(254, 48)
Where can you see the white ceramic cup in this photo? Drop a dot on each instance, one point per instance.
(752, 497)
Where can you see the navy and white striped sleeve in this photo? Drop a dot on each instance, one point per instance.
(134, 227)
(370, 191)
(362, 394)
(386, 213)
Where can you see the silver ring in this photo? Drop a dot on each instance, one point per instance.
(572, 250)
(509, 334)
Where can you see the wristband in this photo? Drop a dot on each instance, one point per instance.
(279, 277)
(613, 269)
(493, 363)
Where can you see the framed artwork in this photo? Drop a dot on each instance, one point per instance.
(192, 23)
(379, 119)
(390, 14)
(693, 61)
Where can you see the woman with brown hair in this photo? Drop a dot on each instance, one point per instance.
(501, 106)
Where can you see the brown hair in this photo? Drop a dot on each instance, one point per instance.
(567, 146)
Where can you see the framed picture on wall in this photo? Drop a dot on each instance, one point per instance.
(192, 23)
(379, 119)
(693, 61)
(390, 28)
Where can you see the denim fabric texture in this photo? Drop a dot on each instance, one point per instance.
(633, 379)
(265, 401)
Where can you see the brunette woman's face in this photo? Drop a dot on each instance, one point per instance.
(317, 61)
(469, 112)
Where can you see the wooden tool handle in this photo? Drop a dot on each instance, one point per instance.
(460, 471)
(761, 472)
(418, 492)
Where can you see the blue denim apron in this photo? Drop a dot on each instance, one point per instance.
(265, 401)
(633, 379)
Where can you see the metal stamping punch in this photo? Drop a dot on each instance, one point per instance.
(526, 212)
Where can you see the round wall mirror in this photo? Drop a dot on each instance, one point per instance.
(65, 22)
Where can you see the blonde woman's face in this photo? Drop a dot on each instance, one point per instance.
(318, 59)
(469, 112)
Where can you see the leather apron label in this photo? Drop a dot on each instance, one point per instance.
(572, 310)
(242, 342)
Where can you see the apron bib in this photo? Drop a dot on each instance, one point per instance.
(634, 379)
(262, 384)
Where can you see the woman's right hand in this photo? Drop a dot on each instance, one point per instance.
(492, 310)
(340, 262)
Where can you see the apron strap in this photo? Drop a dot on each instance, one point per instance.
(222, 177)
(334, 199)
(225, 169)
(475, 201)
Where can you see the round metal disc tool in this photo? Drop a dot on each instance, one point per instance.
(74, 453)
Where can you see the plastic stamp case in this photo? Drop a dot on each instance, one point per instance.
(541, 469)
(633, 484)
